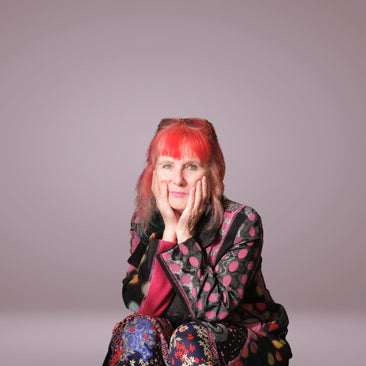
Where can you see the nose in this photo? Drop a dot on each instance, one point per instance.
(178, 178)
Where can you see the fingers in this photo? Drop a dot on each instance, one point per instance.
(198, 196)
(191, 200)
(160, 192)
(202, 194)
(154, 185)
(205, 190)
(196, 206)
(196, 200)
(164, 191)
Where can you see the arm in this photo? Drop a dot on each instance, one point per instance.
(210, 293)
(146, 288)
(131, 288)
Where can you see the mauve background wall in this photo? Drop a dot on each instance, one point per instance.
(83, 86)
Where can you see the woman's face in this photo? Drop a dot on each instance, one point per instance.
(180, 175)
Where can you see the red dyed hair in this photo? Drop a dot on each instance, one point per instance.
(180, 141)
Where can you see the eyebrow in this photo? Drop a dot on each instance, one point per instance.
(166, 161)
(185, 162)
(196, 162)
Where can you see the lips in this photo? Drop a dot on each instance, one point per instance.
(178, 194)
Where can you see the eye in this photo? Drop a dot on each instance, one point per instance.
(166, 166)
(192, 167)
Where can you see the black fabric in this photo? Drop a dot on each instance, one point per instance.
(108, 355)
(230, 236)
(132, 283)
(137, 255)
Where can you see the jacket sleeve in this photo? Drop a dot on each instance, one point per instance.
(211, 292)
(146, 289)
(132, 283)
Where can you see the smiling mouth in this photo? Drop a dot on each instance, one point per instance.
(178, 194)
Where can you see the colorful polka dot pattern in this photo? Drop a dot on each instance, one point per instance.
(229, 289)
(214, 292)
(218, 290)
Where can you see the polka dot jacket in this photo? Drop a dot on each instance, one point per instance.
(217, 282)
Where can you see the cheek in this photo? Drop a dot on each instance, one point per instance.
(198, 177)
(161, 183)
(162, 178)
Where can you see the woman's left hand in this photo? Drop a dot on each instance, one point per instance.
(196, 206)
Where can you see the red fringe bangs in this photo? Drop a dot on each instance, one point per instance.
(182, 142)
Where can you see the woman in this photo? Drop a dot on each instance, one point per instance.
(195, 283)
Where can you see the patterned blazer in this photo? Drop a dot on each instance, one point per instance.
(215, 281)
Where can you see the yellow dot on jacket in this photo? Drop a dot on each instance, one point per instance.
(259, 291)
(278, 344)
(270, 358)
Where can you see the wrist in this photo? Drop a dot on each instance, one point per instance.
(165, 246)
(183, 236)
(169, 235)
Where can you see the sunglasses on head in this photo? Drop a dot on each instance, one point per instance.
(196, 123)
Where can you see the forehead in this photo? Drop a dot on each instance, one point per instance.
(181, 160)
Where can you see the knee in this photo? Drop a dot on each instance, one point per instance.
(186, 329)
(191, 332)
(139, 332)
(139, 326)
(191, 342)
(139, 341)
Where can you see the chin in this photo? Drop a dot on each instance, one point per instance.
(178, 208)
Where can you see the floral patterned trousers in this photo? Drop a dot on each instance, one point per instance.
(189, 345)
(141, 340)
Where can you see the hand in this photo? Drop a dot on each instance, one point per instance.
(170, 217)
(196, 206)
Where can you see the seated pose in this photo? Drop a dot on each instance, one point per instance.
(195, 284)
